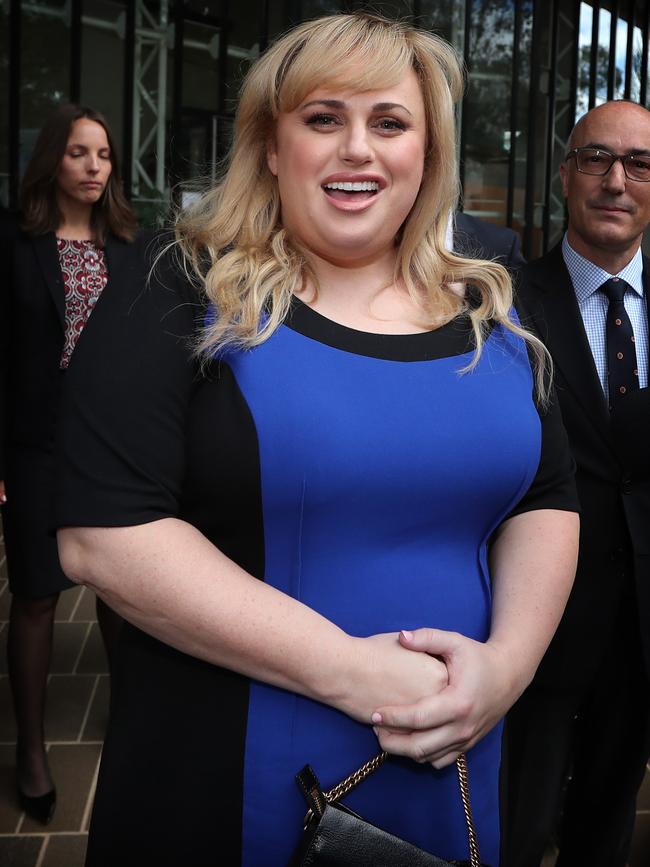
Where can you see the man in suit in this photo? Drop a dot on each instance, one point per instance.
(477, 239)
(578, 738)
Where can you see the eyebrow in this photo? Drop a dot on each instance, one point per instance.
(84, 147)
(338, 103)
(630, 152)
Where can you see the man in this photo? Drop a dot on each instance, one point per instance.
(477, 239)
(578, 738)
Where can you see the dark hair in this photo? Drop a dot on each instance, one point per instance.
(112, 214)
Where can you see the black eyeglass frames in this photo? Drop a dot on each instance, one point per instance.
(595, 161)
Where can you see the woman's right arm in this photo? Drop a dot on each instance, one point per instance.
(122, 454)
(167, 579)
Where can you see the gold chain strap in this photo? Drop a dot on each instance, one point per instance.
(358, 776)
(352, 781)
(463, 782)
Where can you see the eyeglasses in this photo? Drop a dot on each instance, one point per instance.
(594, 161)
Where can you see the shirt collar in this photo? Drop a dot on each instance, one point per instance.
(587, 278)
(449, 232)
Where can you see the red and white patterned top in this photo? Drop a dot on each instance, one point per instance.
(83, 266)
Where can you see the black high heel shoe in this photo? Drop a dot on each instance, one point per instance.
(40, 807)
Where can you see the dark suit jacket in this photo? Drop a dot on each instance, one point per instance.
(477, 239)
(34, 311)
(612, 454)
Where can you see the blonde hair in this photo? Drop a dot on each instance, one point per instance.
(232, 240)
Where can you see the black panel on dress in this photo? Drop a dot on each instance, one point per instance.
(148, 434)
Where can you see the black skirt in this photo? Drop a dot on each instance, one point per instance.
(32, 555)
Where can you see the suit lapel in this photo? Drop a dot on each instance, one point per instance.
(47, 257)
(116, 258)
(566, 338)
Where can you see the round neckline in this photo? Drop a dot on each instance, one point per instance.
(350, 329)
(455, 337)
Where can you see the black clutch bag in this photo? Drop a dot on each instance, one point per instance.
(334, 836)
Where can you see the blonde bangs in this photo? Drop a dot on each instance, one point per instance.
(348, 54)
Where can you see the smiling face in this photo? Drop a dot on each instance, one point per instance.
(349, 167)
(608, 214)
(86, 165)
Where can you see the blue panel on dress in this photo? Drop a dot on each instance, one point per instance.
(381, 483)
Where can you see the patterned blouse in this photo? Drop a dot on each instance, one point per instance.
(83, 266)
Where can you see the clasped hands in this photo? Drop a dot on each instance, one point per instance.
(478, 691)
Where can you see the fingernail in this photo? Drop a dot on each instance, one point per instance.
(406, 635)
(376, 718)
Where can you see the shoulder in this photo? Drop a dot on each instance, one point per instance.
(29, 257)
(543, 274)
(152, 286)
(474, 237)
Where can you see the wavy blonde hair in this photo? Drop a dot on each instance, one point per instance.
(232, 239)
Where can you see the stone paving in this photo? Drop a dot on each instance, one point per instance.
(76, 717)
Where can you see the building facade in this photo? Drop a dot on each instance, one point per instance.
(166, 74)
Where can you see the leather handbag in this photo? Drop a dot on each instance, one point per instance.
(334, 836)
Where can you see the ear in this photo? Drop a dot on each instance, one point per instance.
(272, 155)
(564, 178)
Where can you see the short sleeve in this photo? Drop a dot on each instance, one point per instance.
(125, 396)
(554, 484)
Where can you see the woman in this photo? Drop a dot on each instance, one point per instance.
(77, 230)
(353, 429)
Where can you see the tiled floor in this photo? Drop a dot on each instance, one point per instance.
(76, 717)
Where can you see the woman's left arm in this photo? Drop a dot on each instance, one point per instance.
(533, 563)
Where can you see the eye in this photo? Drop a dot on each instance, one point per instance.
(389, 124)
(640, 164)
(322, 120)
(597, 157)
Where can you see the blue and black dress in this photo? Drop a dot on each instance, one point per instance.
(360, 473)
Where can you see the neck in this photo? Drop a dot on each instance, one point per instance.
(363, 295)
(352, 284)
(612, 261)
(75, 224)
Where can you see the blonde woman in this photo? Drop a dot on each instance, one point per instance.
(285, 459)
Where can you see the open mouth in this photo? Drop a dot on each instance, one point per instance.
(351, 191)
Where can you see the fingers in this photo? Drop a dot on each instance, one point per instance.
(432, 730)
(436, 642)
(3, 495)
(414, 717)
(438, 748)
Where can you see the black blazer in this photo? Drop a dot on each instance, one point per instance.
(612, 454)
(477, 239)
(34, 312)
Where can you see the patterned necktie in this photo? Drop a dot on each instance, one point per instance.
(622, 373)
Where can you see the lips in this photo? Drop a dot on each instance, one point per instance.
(351, 192)
(611, 209)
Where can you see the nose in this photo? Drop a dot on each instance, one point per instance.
(614, 181)
(355, 146)
(92, 163)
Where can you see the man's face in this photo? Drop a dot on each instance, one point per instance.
(608, 214)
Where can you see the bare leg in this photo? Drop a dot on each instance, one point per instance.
(109, 626)
(29, 648)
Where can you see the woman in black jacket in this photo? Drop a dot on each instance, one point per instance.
(76, 233)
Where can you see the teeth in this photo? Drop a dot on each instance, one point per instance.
(353, 186)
